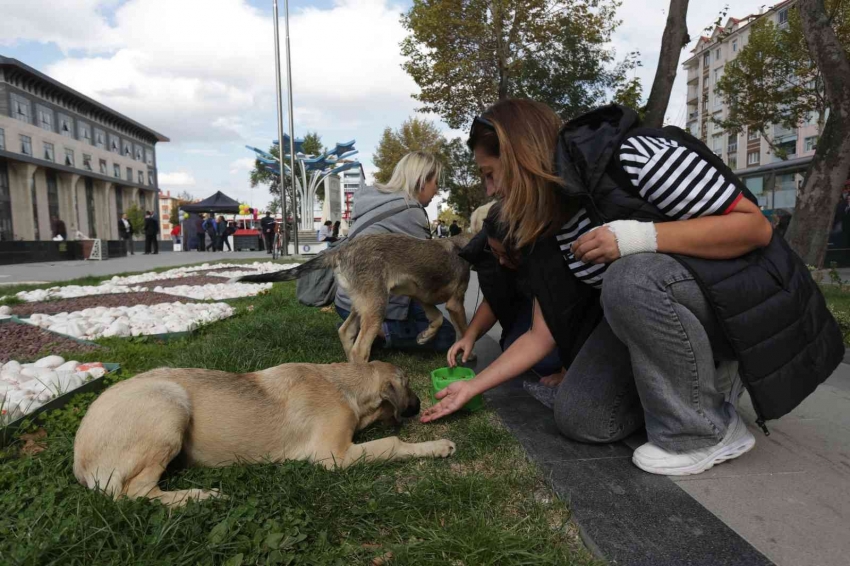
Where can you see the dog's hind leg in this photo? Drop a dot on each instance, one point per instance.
(370, 326)
(435, 320)
(348, 332)
(390, 448)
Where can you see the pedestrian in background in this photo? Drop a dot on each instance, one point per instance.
(151, 230)
(125, 234)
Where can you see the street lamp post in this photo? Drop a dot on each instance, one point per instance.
(282, 176)
(291, 128)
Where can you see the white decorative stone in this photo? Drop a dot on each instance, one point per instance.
(50, 362)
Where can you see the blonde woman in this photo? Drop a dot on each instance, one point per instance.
(398, 207)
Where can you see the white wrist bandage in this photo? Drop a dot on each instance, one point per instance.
(634, 237)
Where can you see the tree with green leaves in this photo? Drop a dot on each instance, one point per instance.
(466, 54)
(415, 134)
(260, 175)
(777, 79)
(136, 216)
(462, 179)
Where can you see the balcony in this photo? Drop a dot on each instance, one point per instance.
(732, 148)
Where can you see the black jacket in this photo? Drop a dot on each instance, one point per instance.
(769, 307)
(122, 230)
(267, 225)
(151, 226)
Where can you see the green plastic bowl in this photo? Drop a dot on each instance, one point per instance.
(442, 377)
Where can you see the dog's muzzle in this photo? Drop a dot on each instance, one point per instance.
(412, 409)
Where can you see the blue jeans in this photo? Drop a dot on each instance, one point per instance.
(651, 360)
(401, 334)
(548, 365)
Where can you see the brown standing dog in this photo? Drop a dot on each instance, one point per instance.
(371, 268)
(214, 418)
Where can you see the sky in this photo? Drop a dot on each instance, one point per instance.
(202, 73)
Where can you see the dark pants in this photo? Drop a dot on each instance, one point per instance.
(401, 334)
(151, 242)
(213, 243)
(202, 241)
(225, 242)
(127, 241)
(548, 365)
(269, 239)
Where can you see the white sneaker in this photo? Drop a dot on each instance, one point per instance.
(738, 440)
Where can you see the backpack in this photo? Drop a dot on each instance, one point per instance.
(318, 288)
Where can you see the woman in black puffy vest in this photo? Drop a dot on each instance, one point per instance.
(700, 299)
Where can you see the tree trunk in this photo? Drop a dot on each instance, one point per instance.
(672, 42)
(809, 230)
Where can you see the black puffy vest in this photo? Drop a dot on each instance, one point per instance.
(771, 310)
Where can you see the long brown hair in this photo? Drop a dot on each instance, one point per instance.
(522, 134)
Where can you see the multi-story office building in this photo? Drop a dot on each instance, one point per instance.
(773, 180)
(66, 156)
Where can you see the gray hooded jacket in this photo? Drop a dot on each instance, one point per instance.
(369, 202)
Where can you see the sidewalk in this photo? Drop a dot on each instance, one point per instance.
(786, 502)
(66, 270)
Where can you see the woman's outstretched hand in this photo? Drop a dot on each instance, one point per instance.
(452, 398)
(463, 346)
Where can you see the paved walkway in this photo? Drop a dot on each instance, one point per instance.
(786, 502)
(66, 270)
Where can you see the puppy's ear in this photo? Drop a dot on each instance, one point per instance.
(392, 387)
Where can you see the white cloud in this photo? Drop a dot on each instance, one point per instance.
(178, 179)
(70, 24)
(241, 165)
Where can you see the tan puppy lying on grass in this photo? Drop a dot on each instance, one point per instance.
(289, 412)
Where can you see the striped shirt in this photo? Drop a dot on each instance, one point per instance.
(670, 176)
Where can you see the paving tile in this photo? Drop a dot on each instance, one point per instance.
(639, 519)
(795, 519)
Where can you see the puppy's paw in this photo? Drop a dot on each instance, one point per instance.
(443, 448)
(424, 337)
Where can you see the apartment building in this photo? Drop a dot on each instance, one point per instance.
(166, 204)
(66, 156)
(773, 180)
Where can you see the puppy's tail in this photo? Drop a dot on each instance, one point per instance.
(326, 260)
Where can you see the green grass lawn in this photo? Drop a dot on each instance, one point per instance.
(485, 505)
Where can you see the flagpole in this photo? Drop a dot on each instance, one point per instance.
(280, 148)
(291, 129)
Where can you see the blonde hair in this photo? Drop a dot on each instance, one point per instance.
(522, 134)
(411, 173)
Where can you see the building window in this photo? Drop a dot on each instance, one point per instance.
(732, 161)
(66, 126)
(69, 157)
(734, 46)
(6, 231)
(87, 162)
(116, 170)
(114, 144)
(717, 143)
(26, 145)
(706, 59)
(717, 54)
(45, 117)
(149, 157)
(752, 135)
(99, 139)
(90, 211)
(783, 17)
(34, 199)
(21, 109)
(150, 178)
(2, 139)
(141, 177)
(128, 149)
(49, 152)
(103, 167)
(84, 132)
(130, 174)
(753, 158)
(811, 143)
(139, 154)
(52, 196)
(732, 144)
(716, 76)
(119, 200)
